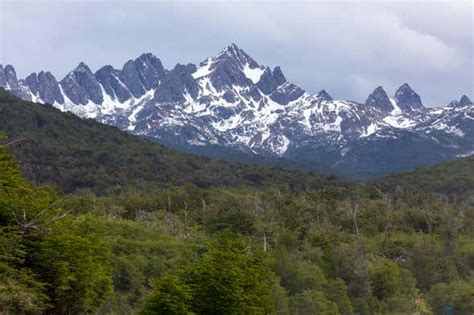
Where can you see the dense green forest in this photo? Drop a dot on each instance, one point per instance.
(452, 178)
(207, 237)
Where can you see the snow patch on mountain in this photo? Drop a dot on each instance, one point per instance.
(253, 74)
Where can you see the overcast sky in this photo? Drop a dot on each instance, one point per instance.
(347, 48)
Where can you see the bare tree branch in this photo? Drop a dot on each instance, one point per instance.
(25, 226)
(42, 212)
(11, 142)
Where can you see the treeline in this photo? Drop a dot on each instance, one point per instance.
(342, 249)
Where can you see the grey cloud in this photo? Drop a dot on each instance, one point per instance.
(346, 48)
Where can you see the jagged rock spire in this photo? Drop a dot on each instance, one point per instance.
(45, 87)
(9, 81)
(379, 99)
(324, 96)
(464, 101)
(407, 99)
(80, 85)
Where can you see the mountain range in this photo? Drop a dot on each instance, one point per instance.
(229, 104)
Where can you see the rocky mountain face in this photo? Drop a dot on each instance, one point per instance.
(230, 103)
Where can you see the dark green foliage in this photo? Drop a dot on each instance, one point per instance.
(386, 280)
(20, 292)
(13, 187)
(336, 292)
(453, 178)
(312, 302)
(46, 264)
(458, 294)
(74, 267)
(230, 279)
(167, 297)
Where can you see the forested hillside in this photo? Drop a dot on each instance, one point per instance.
(249, 240)
(453, 178)
(70, 152)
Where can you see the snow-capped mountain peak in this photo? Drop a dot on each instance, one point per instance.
(230, 67)
(233, 52)
(231, 101)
